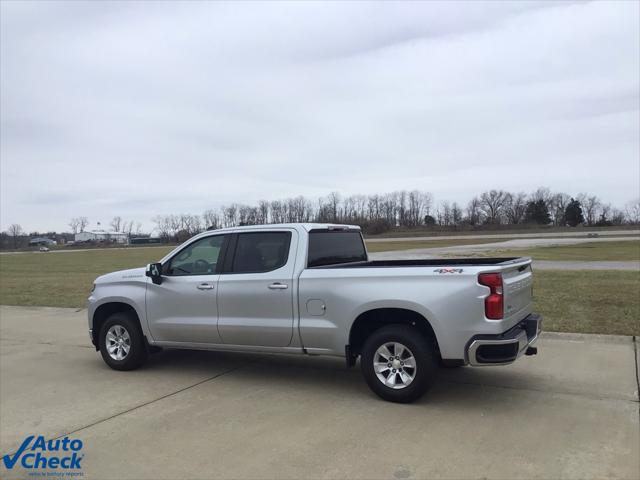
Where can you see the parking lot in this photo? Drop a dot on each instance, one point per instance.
(572, 411)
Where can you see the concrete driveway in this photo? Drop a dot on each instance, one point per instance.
(570, 412)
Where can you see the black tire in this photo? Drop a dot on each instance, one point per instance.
(423, 351)
(137, 353)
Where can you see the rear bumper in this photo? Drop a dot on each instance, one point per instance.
(506, 347)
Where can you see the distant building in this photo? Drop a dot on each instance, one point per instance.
(41, 241)
(101, 236)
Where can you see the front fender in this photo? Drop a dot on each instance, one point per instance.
(105, 294)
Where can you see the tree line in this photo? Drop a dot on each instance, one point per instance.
(377, 213)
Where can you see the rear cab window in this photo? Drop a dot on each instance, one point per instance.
(332, 247)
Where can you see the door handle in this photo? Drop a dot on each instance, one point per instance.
(205, 286)
(278, 286)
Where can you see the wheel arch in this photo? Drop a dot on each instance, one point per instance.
(371, 320)
(104, 311)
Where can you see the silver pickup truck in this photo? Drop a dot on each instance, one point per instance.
(312, 289)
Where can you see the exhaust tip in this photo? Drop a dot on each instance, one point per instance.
(531, 351)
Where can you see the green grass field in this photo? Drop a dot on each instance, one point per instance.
(571, 301)
(64, 279)
(582, 301)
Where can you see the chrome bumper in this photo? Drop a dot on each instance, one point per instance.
(505, 348)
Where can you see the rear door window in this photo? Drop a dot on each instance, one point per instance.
(257, 252)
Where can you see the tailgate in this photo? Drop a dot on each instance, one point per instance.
(517, 280)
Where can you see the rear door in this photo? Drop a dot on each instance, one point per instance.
(255, 289)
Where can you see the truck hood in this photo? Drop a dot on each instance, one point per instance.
(122, 276)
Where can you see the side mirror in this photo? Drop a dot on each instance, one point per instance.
(154, 271)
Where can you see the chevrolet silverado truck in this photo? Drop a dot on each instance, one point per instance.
(312, 289)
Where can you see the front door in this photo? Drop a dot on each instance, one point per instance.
(183, 308)
(255, 290)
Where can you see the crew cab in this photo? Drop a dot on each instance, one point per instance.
(312, 289)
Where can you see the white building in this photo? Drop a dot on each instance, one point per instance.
(101, 236)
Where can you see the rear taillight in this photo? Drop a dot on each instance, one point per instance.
(494, 303)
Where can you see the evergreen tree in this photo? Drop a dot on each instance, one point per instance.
(429, 220)
(573, 213)
(537, 212)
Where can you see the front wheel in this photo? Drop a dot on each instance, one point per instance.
(398, 363)
(121, 342)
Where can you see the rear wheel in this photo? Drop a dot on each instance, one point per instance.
(398, 363)
(122, 345)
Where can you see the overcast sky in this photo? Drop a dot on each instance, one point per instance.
(135, 109)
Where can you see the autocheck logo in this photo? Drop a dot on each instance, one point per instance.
(38, 453)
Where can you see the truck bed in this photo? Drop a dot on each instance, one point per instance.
(434, 262)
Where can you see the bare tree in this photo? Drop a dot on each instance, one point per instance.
(162, 226)
(278, 212)
(401, 206)
(515, 206)
(632, 211)
(263, 212)
(419, 205)
(590, 205)
(298, 209)
(116, 224)
(83, 222)
(360, 207)
(333, 201)
(127, 227)
(373, 208)
(390, 207)
(74, 224)
(247, 215)
(444, 215)
(557, 208)
(175, 224)
(15, 231)
(211, 219)
(473, 211)
(230, 215)
(492, 205)
(192, 224)
(456, 213)
(604, 214)
(617, 217)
